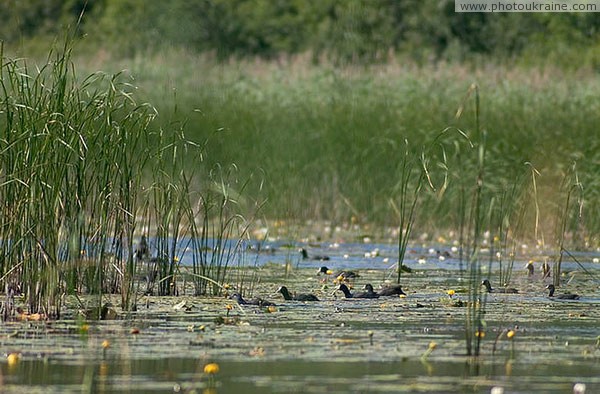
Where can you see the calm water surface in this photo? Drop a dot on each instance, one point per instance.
(331, 346)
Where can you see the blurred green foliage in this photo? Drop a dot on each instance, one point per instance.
(343, 31)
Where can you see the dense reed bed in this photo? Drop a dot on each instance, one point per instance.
(86, 180)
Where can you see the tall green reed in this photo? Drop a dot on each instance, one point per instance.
(72, 154)
(83, 175)
(412, 177)
(207, 222)
(506, 217)
(219, 238)
(429, 169)
(569, 218)
(474, 323)
(169, 199)
(497, 218)
(513, 222)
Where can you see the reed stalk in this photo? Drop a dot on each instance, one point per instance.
(571, 187)
(474, 324)
(219, 241)
(409, 187)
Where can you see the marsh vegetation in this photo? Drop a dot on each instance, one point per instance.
(114, 208)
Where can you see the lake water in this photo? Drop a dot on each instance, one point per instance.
(335, 345)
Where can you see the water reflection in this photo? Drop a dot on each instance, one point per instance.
(185, 375)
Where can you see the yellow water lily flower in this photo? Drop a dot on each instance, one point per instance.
(211, 369)
(12, 359)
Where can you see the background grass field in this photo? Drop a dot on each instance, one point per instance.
(325, 143)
